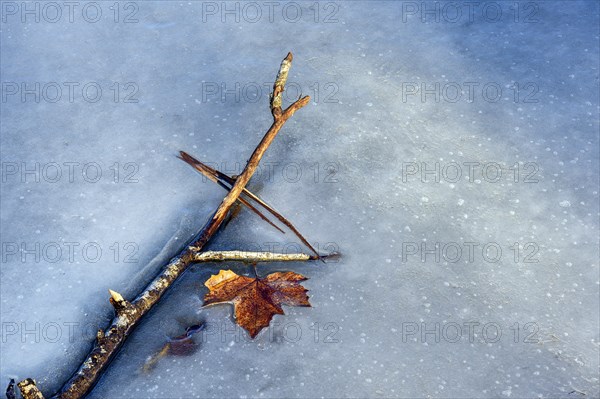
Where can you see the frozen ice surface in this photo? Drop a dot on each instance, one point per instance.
(384, 323)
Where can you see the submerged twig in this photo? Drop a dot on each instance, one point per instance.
(10, 390)
(182, 345)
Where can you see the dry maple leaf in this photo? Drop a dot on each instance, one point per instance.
(256, 300)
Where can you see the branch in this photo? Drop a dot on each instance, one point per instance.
(250, 257)
(244, 177)
(218, 177)
(184, 156)
(128, 314)
(279, 85)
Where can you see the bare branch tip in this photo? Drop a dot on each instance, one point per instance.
(184, 156)
(116, 296)
(118, 302)
(304, 100)
(330, 257)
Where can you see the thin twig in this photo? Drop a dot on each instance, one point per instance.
(279, 118)
(246, 256)
(185, 157)
(219, 177)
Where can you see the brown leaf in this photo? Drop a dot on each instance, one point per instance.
(256, 300)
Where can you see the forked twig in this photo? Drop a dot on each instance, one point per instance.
(218, 177)
(185, 157)
(128, 314)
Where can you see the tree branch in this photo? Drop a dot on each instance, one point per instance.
(250, 257)
(128, 314)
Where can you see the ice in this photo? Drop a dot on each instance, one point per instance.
(470, 285)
